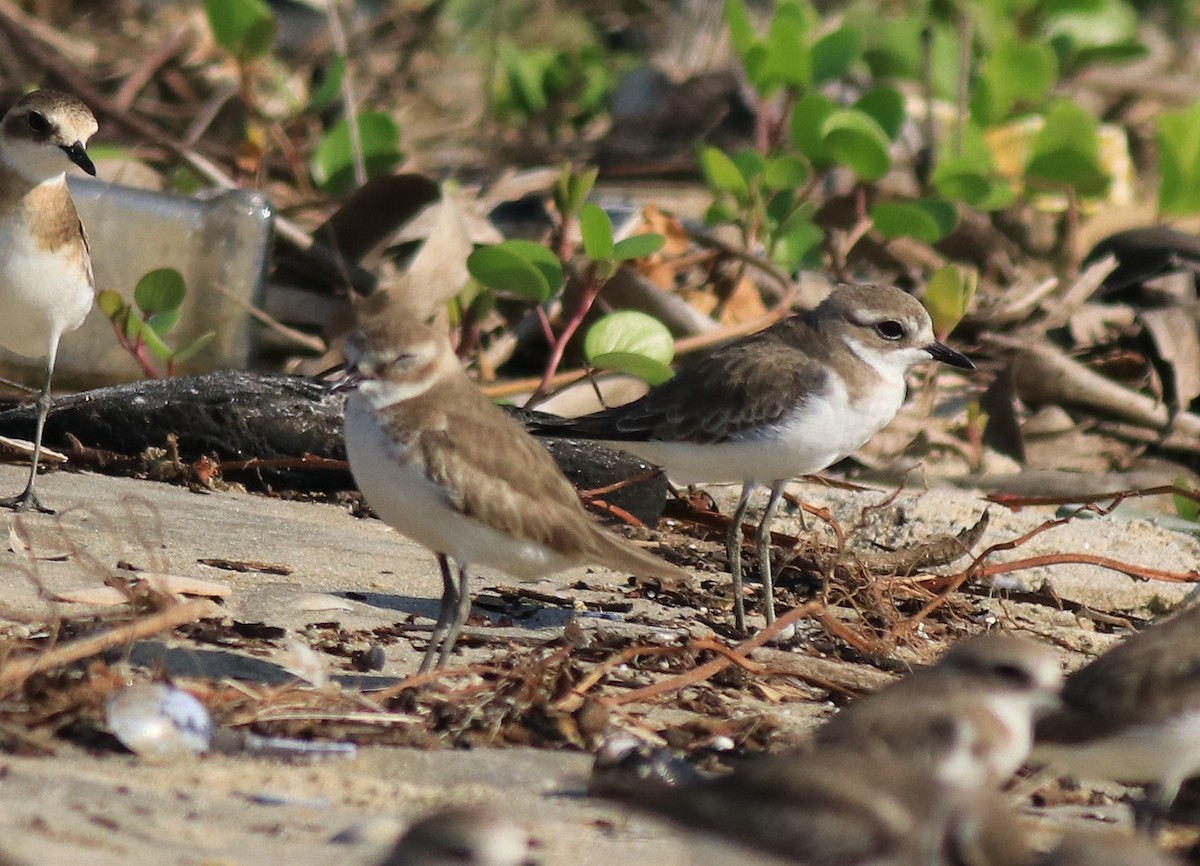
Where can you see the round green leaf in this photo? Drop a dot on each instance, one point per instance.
(160, 291)
(633, 342)
(834, 53)
(886, 106)
(596, 228)
(808, 116)
(111, 303)
(540, 257)
(637, 246)
(330, 88)
(722, 174)
(638, 366)
(333, 162)
(244, 28)
(948, 296)
(785, 172)
(505, 270)
(926, 220)
(1067, 151)
(1179, 161)
(854, 139)
(163, 322)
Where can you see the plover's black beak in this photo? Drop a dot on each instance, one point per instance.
(942, 352)
(78, 155)
(347, 383)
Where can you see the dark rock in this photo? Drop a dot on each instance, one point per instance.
(236, 416)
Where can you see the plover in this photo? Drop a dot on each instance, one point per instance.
(789, 400)
(443, 465)
(968, 718)
(462, 836)
(1133, 715)
(833, 808)
(46, 282)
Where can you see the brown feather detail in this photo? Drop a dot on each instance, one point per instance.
(52, 218)
(741, 387)
(1150, 677)
(494, 472)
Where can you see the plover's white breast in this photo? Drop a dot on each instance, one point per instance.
(43, 292)
(399, 491)
(824, 429)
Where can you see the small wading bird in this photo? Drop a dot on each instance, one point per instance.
(968, 718)
(1133, 716)
(443, 465)
(46, 282)
(789, 400)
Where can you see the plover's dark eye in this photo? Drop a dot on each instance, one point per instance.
(1013, 674)
(38, 122)
(889, 329)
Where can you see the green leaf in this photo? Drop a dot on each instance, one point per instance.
(1185, 507)
(722, 174)
(571, 190)
(540, 257)
(856, 140)
(596, 228)
(798, 243)
(638, 366)
(808, 118)
(741, 33)
(525, 77)
(244, 28)
(160, 291)
(751, 164)
(500, 268)
(163, 322)
(194, 348)
(1067, 152)
(1179, 161)
(927, 220)
(1016, 72)
(787, 61)
(1090, 25)
(834, 53)
(785, 172)
(632, 342)
(948, 296)
(886, 106)
(111, 304)
(139, 331)
(333, 162)
(330, 88)
(964, 180)
(638, 246)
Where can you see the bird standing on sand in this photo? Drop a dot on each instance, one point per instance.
(443, 465)
(789, 400)
(1133, 716)
(46, 281)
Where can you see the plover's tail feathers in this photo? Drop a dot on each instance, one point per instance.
(618, 554)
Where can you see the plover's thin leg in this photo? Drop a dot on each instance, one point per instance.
(445, 611)
(1150, 812)
(28, 498)
(763, 538)
(733, 550)
(461, 612)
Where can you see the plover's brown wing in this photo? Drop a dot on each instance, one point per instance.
(741, 387)
(496, 473)
(1150, 677)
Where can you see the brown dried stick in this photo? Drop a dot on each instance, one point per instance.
(16, 671)
(710, 669)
